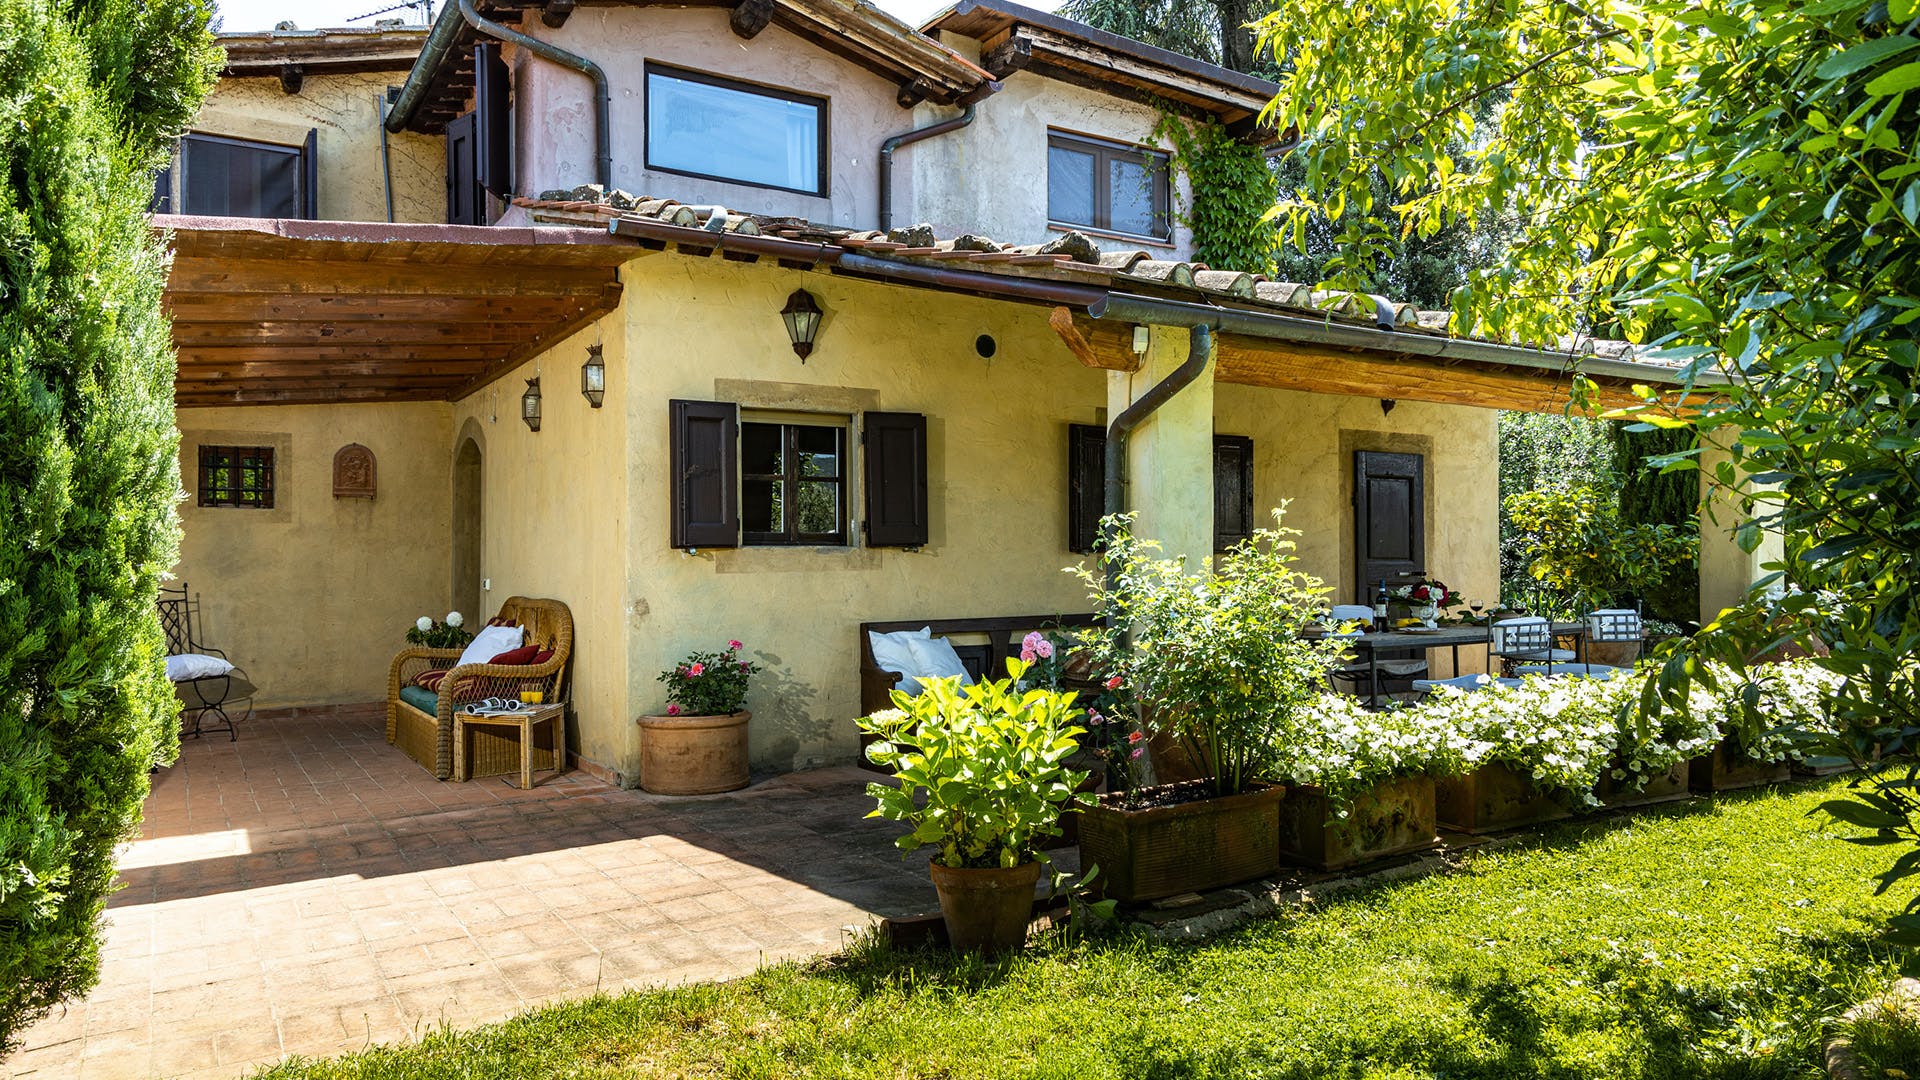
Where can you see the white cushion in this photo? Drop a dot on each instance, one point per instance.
(188, 666)
(938, 660)
(1464, 682)
(490, 642)
(894, 652)
(1590, 671)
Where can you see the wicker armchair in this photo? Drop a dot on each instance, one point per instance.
(428, 737)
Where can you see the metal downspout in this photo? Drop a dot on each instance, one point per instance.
(603, 97)
(1199, 354)
(907, 138)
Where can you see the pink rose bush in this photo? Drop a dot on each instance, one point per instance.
(709, 683)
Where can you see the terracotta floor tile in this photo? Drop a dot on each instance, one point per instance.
(371, 903)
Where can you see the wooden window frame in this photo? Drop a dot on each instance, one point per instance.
(822, 158)
(1158, 163)
(176, 178)
(790, 481)
(235, 493)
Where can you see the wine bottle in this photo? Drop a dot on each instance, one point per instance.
(1380, 608)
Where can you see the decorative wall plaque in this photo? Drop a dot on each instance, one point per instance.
(353, 472)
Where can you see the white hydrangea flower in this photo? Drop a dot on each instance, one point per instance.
(454, 618)
(424, 623)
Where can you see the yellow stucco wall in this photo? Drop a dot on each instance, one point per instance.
(579, 511)
(345, 111)
(314, 597)
(997, 435)
(554, 517)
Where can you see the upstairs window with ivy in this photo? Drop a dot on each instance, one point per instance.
(1108, 187)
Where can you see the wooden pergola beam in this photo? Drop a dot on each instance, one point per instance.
(409, 310)
(455, 371)
(1320, 369)
(242, 276)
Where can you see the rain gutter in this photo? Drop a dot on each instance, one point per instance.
(440, 43)
(1273, 326)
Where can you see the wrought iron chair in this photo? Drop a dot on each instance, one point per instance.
(1528, 640)
(1393, 669)
(205, 679)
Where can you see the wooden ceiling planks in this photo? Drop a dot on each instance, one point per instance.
(278, 312)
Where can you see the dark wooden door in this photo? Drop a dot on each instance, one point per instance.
(1389, 519)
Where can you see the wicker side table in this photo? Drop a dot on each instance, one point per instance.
(526, 720)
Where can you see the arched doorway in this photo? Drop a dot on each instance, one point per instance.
(467, 527)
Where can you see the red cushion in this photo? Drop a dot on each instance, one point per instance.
(517, 657)
(541, 657)
(430, 680)
(497, 621)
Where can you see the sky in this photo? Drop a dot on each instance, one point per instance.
(312, 14)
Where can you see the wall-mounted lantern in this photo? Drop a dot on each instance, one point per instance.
(593, 377)
(530, 404)
(802, 316)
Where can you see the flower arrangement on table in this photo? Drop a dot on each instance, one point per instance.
(445, 633)
(709, 683)
(1426, 596)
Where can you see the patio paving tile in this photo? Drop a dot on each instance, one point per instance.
(308, 889)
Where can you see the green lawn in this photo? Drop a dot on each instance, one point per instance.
(1705, 940)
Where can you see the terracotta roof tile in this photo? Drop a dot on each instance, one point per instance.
(1072, 257)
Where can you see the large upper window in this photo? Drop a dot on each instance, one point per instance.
(703, 125)
(1108, 186)
(793, 483)
(224, 177)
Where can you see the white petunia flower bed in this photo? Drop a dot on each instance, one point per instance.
(1564, 734)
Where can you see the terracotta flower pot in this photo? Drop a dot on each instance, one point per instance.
(1395, 818)
(1191, 846)
(1666, 787)
(1613, 653)
(1727, 769)
(1491, 798)
(693, 755)
(986, 910)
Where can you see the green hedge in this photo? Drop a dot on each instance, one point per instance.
(91, 94)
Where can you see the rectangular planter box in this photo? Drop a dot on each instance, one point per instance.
(1167, 850)
(1395, 818)
(1726, 769)
(1823, 766)
(1492, 798)
(1666, 787)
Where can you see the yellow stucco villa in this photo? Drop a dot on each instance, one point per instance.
(411, 241)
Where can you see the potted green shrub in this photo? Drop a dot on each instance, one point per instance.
(982, 778)
(1218, 667)
(698, 746)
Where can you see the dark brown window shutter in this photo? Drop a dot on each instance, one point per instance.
(492, 148)
(705, 462)
(464, 204)
(1232, 490)
(896, 478)
(1086, 485)
(310, 176)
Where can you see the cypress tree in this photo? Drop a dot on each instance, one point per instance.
(91, 94)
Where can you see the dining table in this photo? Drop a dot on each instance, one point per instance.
(1373, 643)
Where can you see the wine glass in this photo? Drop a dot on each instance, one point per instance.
(1477, 607)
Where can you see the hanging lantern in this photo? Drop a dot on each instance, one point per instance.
(593, 377)
(530, 404)
(802, 317)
